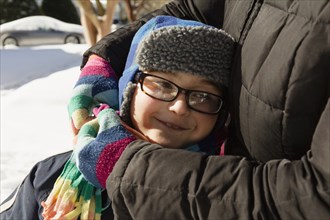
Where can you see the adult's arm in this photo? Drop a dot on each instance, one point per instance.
(157, 183)
(115, 46)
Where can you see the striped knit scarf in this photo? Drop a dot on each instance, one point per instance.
(73, 196)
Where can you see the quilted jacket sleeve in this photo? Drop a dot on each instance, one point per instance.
(153, 182)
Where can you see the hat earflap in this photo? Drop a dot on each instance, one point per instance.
(125, 107)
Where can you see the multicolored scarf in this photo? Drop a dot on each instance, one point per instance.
(77, 191)
(73, 196)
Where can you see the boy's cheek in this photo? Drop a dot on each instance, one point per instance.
(141, 98)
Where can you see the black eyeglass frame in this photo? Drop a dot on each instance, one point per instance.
(142, 75)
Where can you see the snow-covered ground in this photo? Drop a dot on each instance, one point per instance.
(36, 84)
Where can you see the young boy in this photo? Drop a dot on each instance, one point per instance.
(171, 93)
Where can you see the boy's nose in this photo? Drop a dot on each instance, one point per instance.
(179, 105)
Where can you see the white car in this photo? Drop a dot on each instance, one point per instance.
(40, 30)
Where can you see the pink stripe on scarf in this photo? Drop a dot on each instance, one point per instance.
(108, 158)
(98, 66)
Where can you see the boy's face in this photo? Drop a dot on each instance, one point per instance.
(173, 124)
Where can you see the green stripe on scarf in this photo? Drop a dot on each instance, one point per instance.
(80, 102)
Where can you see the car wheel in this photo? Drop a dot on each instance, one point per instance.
(72, 39)
(10, 41)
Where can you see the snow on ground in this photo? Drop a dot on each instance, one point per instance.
(36, 84)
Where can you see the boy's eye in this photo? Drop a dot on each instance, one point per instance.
(165, 85)
(201, 97)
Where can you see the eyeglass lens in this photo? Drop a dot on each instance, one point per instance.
(165, 90)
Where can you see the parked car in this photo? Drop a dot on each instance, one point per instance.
(40, 30)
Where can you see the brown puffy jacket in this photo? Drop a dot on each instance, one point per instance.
(280, 117)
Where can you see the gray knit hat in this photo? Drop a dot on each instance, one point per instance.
(199, 50)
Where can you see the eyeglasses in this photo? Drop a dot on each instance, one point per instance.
(165, 90)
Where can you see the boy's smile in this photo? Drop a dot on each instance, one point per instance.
(173, 124)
